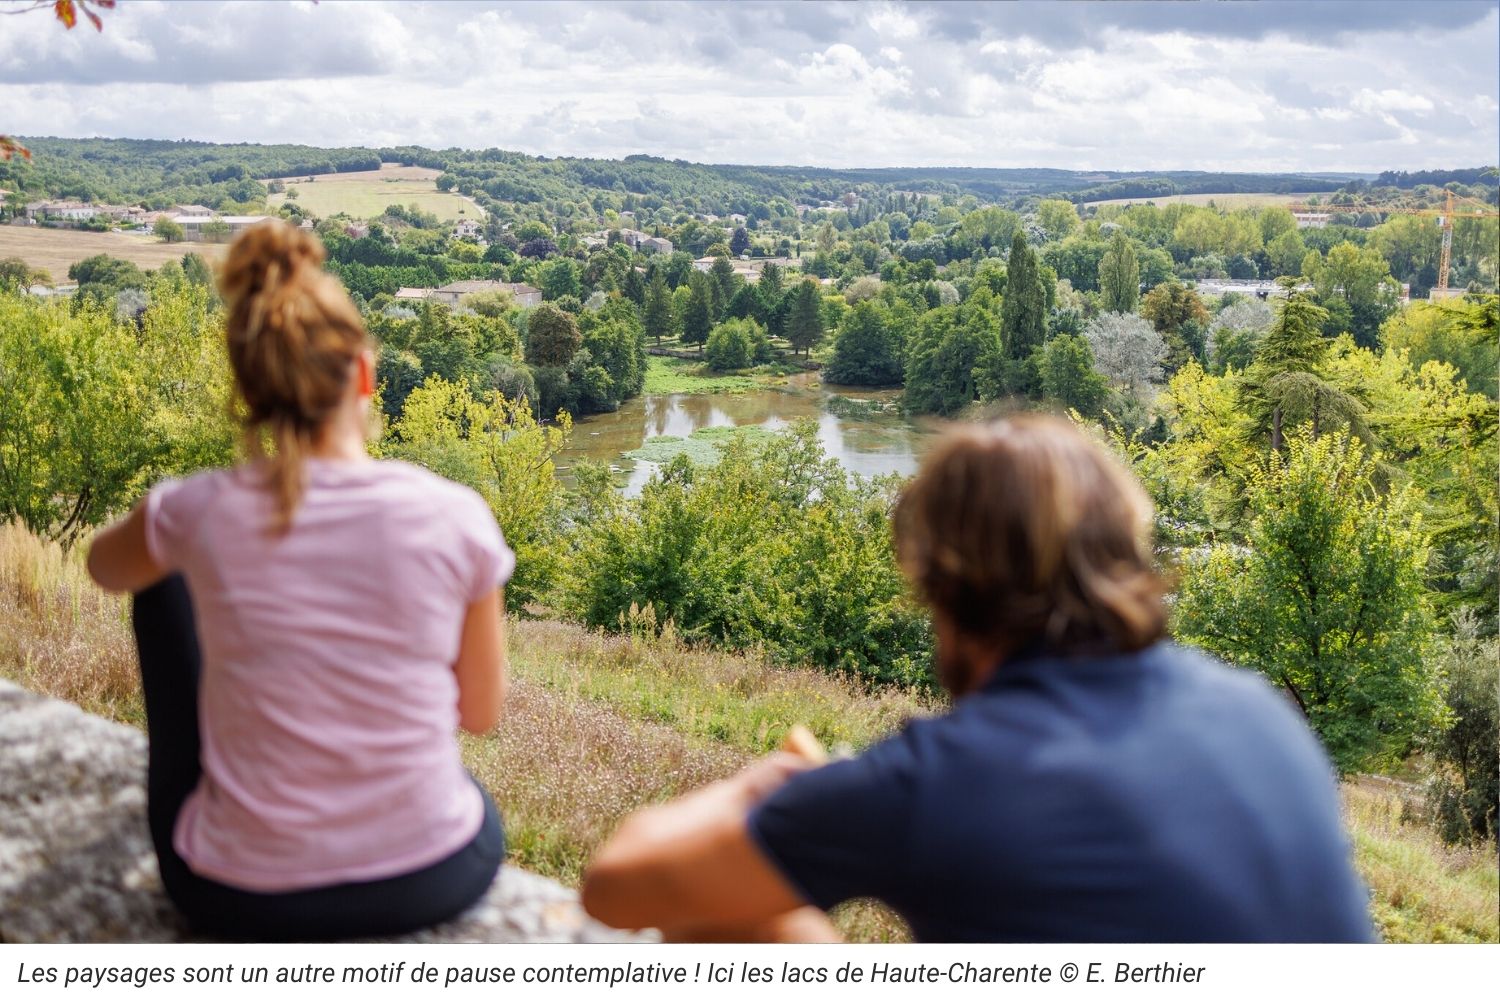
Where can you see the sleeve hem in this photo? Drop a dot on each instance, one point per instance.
(151, 515)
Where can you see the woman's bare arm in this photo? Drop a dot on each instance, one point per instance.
(481, 666)
(690, 865)
(118, 558)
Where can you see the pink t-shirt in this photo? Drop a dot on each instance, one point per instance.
(328, 701)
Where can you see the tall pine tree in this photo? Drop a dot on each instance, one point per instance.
(1023, 315)
(697, 318)
(804, 321)
(1120, 276)
(659, 319)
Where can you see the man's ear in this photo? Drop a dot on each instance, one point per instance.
(366, 373)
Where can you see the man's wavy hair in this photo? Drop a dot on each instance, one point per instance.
(1023, 532)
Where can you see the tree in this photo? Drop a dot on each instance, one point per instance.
(1127, 349)
(1119, 276)
(1467, 788)
(659, 319)
(1326, 600)
(1235, 334)
(867, 350)
(552, 337)
(1179, 315)
(746, 303)
(950, 350)
(725, 282)
(1355, 286)
(538, 248)
(559, 277)
(1023, 311)
(804, 322)
(17, 275)
(697, 318)
(495, 446)
(1068, 377)
(634, 287)
(169, 231)
(1465, 333)
(739, 241)
(1057, 217)
(77, 426)
(736, 344)
(1284, 383)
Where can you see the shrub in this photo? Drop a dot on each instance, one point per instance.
(735, 344)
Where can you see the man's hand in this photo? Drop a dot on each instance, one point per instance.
(690, 867)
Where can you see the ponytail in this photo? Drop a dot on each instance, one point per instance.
(292, 333)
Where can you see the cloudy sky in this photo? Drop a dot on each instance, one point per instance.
(1132, 86)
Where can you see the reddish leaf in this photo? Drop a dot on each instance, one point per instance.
(93, 19)
(10, 147)
(66, 13)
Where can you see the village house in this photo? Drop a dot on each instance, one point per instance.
(748, 268)
(453, 293)
(656, 244)
(1312, 220)
(468, 229)
(201, 227)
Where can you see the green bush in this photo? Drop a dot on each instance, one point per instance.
(736, 344)
(774, 548)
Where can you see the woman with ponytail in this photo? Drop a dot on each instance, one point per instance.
(312, 627)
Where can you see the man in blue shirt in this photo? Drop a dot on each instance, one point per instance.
(1092, 782)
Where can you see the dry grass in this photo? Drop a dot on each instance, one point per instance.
(597, 726)
(740, 701)
(1424, 890)
(55, 250)
(61, 635)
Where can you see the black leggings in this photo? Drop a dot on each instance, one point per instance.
(167, 641)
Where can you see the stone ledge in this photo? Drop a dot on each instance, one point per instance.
(76, 863)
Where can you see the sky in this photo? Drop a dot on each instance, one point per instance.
(1203, 85)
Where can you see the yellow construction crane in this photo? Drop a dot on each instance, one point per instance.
(1454, 208)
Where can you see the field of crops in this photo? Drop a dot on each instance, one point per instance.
(54, 250)
(367, 193)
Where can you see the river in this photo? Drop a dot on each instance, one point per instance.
(870, 445)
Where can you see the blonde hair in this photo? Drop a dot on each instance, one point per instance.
(1023, 531)
(292, 333)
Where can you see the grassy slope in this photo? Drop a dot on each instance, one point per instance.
(599, 725)
(368, 193)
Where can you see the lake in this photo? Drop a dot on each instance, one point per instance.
(871, 445)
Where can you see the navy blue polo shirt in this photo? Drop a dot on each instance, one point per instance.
(1152, 796)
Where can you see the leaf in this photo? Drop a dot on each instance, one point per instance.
(10, 147)
(67, 13)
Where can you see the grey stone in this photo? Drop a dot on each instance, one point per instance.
(76, 862)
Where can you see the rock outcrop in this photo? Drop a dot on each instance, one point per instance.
(75, 856)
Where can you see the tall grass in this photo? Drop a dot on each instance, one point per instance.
(597, 726)
(1424, 890)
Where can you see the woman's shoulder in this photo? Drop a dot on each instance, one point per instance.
(404, 475)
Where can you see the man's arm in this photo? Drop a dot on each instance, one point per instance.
(690, 866)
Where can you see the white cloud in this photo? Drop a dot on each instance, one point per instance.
(1064, 85)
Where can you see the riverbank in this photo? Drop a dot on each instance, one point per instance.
(599, 725)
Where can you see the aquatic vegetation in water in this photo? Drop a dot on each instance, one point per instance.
(702, 447)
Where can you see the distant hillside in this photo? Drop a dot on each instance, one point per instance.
(159, 173)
